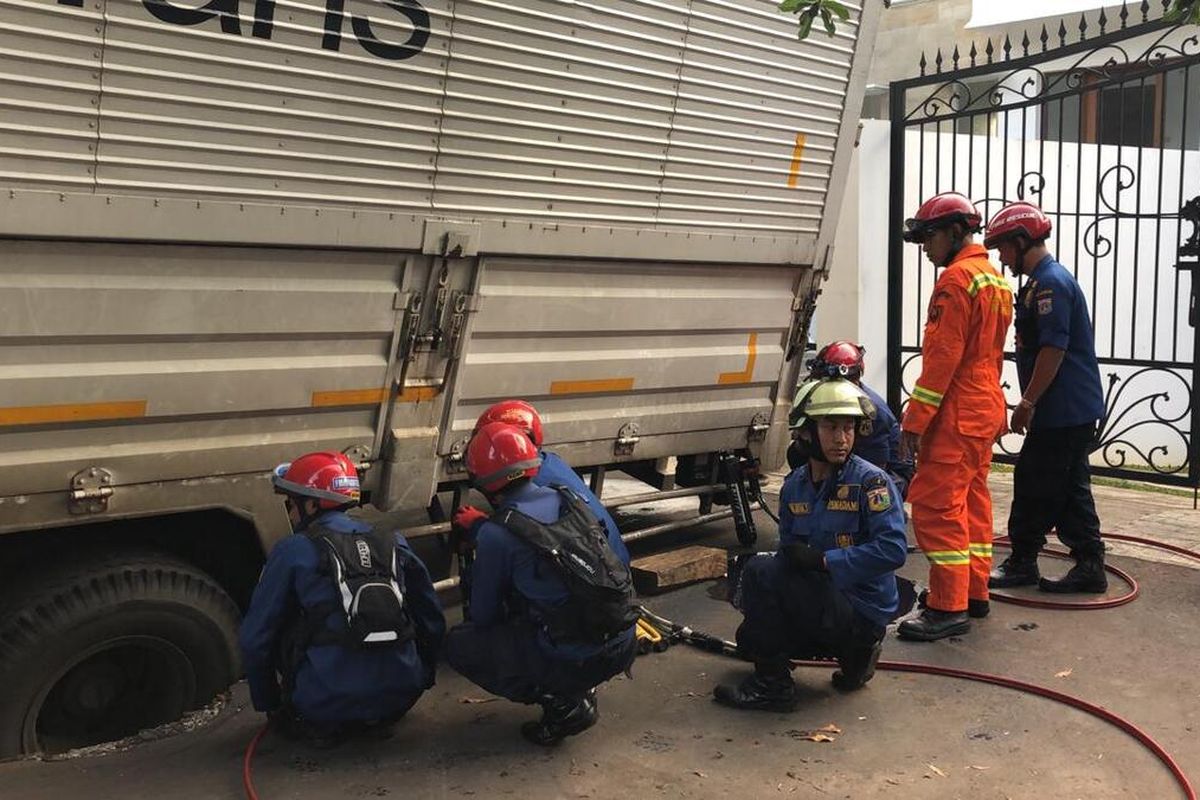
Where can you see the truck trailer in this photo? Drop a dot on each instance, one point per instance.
(235, 231)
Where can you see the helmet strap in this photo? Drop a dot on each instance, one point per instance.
(815, 451)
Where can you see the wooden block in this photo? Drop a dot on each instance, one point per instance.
(674, 568)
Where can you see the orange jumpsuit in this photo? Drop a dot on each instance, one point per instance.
(958, 406)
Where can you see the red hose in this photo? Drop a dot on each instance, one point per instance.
(248, 763)
(1032, 688)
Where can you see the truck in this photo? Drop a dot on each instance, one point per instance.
(235, 231)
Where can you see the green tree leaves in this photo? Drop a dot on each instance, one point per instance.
(808, 11)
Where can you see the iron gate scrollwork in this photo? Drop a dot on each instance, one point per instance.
(1098, 124)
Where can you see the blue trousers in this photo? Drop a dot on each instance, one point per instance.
(797, 614)
(508, 660)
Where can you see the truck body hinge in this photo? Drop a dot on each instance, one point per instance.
(90, 490)
(627, 439)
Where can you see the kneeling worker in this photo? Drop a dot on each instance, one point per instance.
(346, 615)
(830, 590)
(551, 616)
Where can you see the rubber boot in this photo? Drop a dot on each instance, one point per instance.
(1087, 576)
(562, 717)
(1016, 570)
(857, 667)
(976, 609)
(770, 688)
(933, 625)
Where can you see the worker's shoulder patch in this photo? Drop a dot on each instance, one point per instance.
(1045, 305)
(879, 499)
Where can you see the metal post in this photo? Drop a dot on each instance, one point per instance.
(895, 222)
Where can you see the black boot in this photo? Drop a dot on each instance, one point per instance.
(933, 625)
(770, 688)
(562, 717)
(976, 609)
(857, 667)
(1017, 570)
(1087, 576)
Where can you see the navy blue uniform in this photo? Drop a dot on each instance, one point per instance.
(556, 472)
(333, 683)
(1052, 480)
(878, 441)
(505, 647)
(856, 518)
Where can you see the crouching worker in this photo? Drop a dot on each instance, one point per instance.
(551, 616)
(344, 627)
(830, 590)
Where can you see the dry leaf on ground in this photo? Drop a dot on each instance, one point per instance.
(936, 771)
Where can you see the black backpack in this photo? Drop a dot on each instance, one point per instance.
(369, 580)
(600, 590)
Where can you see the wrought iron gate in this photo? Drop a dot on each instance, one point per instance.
(1101, 128)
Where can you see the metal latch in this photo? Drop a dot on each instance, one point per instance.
(627, 439)
(457, 460)
(360, 454)
(460, 304)
(90, 490)
(759, 425)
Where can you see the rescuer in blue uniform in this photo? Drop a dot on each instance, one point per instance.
(291, 630)
(830, 590)
(1061, 402)
(554, 471)
(526, 639)
(878, 437)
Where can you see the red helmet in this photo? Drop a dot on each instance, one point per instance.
(499, 454)
(938, 212)
(1017, 218)
(514, 412)
(329, 477)
(838, 359)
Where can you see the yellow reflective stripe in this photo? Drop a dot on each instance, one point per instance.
(949, 558)
(987, 279)
(981, 550)
(927, 396)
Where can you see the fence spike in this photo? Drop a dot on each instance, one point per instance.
(1103, 20)
(1145, 10)
(1124, 15)
(974, 52)
(1007, 47)
(1062, 33)
(1045, 37)
(1082, 27)
(1024, 43)
(937, 60)
(954, 57)
(923, 62)
(989, 50)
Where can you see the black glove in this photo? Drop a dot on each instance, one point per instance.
(804, 557)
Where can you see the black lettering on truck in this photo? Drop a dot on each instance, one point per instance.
(410, 9)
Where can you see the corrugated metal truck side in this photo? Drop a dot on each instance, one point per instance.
(233, 233)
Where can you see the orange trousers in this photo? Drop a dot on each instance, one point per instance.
(952, 516)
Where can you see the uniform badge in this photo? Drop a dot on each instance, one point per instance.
(844, 540)
(799, 509)
(1045, 305)
(865, 427)
(879, 499)
(845, 498)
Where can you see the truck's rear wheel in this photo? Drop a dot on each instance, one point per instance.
(103, 650)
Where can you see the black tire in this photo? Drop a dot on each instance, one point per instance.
(96, 651)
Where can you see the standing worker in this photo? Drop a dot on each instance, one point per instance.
(1061, 401)
(551, 616)
(830, 590)
(553, 471)
(345, 615)
(878, 438)
(955, 414)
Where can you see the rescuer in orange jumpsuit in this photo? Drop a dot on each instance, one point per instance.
(954, 415)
